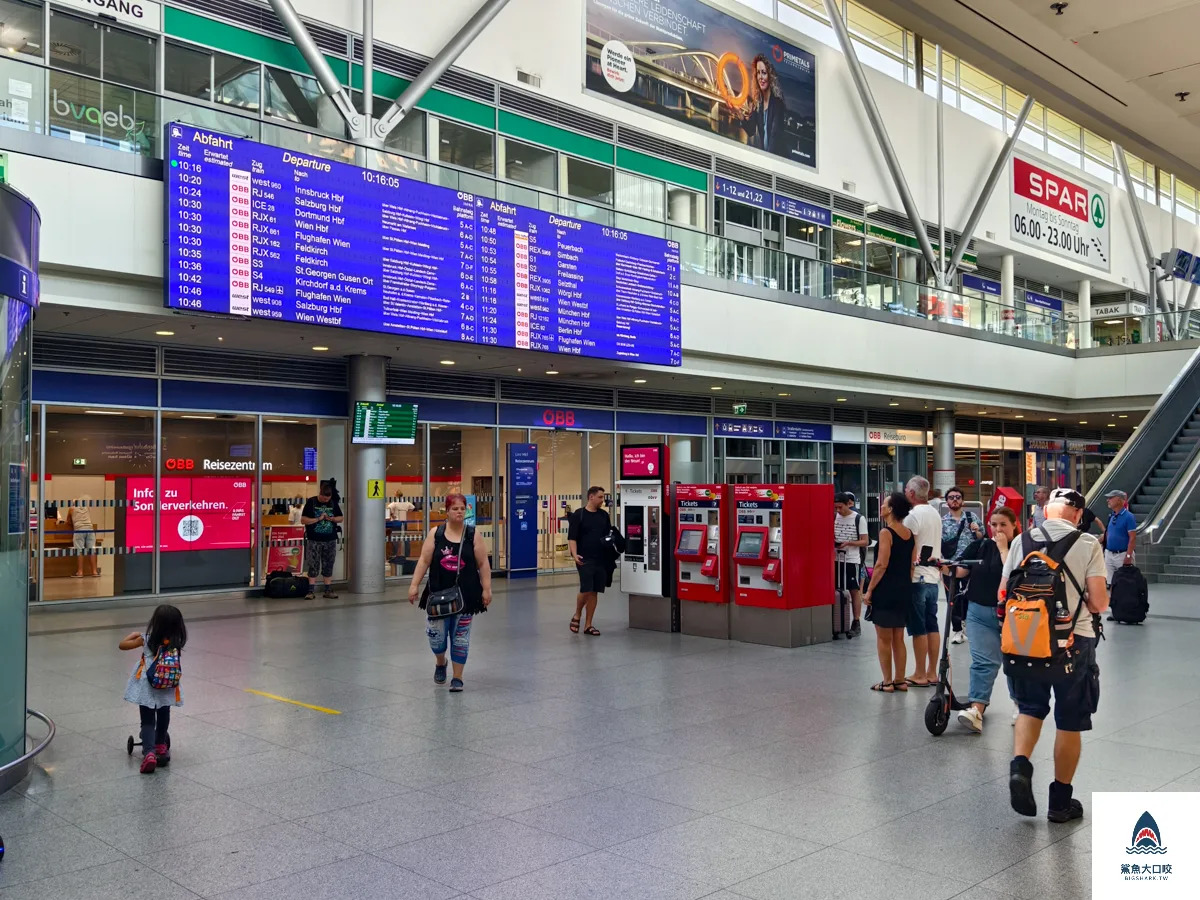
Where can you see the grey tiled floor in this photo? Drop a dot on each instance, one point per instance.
(634, 765)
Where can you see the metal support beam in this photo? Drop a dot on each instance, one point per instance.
(881, 135)
(437, 66)
(320, 66)
(941, 169)
(368, 81)
(1156, 293)
(988, 187)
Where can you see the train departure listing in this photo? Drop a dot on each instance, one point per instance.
(255, 230)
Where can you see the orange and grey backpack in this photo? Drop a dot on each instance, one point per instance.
(1038, 634)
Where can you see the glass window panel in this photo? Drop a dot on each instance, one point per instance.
(1137, 168)
(294, 98)
(1029, 135)
(982, 88)
(406, 502)
(884, 34)
(130, 58)
(22, 95)
(187, 71)
(1063, 130)
(530, 165)
(212, 119)
(981, 111)
(206, 515)
(949, 75)
(1096, 170)
(1037, 115)
(639, 196)
(236, 82)
(74, 44)
(847, 249)
(468, 148)
(879, 60)
(105, 115)
(290, 476)
(766, 7)
(808, 17)
(1098, 147)
(686, 208)
(600, 462)
(21, 28)
(589, 181)
(98, 509)
(1066, 154)
(688, 462)
(307, 142)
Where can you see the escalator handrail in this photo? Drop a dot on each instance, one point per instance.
(1160, 521)
(1104, 484)
(1180, 479)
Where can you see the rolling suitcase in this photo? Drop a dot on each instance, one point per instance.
(843, 610)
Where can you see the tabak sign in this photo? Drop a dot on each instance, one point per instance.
(1059, 215)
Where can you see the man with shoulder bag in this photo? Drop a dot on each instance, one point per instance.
(1051, 596)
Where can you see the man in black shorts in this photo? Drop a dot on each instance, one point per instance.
(588, 528)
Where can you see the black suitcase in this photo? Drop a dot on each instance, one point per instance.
(1129, 597)
(282, 585)
(843, 611)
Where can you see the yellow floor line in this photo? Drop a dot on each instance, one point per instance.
(332, 712)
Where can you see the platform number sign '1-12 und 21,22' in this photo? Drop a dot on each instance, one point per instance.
(255, 230)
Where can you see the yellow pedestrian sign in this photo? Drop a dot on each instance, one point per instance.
(374, 488)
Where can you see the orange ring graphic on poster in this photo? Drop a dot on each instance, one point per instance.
(738, 100)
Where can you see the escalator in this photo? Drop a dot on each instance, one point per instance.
(1159, 468)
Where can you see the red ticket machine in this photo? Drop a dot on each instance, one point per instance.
(701, 582)
(1005, 496)
(782, 560)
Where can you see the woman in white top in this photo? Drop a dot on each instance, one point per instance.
(79, 520)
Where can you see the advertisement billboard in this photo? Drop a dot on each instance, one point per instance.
(703, 67)
(205, 513)
(1059, 214)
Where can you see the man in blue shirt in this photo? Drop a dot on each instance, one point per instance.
(1120, 534)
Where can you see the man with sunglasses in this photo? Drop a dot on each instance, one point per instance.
(959, 528)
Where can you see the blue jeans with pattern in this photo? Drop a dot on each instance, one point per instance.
(453, 632)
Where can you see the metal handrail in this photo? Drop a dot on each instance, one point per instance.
(22, 762)
(1174, 502)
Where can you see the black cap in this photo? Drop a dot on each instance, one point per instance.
(1067, 496)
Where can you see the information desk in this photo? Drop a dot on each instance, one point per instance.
(256, 230)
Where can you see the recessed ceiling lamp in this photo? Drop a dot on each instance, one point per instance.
(447, 362)
(320, 349)
(639, 381)
(165, 333)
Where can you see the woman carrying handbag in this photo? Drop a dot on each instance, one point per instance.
(460, 586)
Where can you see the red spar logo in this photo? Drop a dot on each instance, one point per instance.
(1050, 189)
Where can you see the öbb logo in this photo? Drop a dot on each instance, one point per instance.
(558, 417)
(180, 465)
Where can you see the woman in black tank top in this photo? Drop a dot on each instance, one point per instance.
(453, 553)
(890, 592)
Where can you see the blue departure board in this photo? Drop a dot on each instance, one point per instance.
(255, 230)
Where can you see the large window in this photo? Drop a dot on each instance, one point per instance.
(404, 525)
(686, 208)
(75, 44)
(102, 51)
(530, 165)
(130, 58)
(588, 181)
(208, 75)
(467, 148)
(641, 197)
(107, 115)
(21, 29)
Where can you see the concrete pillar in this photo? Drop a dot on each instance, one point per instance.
(1085, 313)
(331, 463)
(680, 203)
(943, 450)
(368, 462)
(910, 292)
(1008, 307)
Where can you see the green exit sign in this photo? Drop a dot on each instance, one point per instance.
(739, 409)
(79, 461)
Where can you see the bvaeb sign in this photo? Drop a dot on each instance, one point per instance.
(212, 513)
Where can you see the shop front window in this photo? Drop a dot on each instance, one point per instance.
(97, 507)
(560, 492)
(289, 478)
(461, 460)
(206, 514)
(688, 464)
(404, 523)
(22, 95)
(104, 115)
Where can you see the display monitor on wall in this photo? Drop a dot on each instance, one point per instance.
(384, 423)
(256, 230)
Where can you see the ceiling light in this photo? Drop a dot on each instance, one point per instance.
(104, 412)
(1052, 420)
(283, 421)
(1112, 424)
(983, 412)
(841, 399)
(520, 370)
(552, 371)
(220, 339)
(715, 387)
(893, 403)
(165, 333)
(784, 395)
(1059, 7)
(197, 417)
(1122, 416)
(939, 409)
(1018, 417)
(1083, 421)
(1113, 321)
(447, 362)
(639, 381)
(320, 349)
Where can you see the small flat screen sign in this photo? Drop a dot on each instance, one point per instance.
(750, 544)
(384, 423)
(641, 462)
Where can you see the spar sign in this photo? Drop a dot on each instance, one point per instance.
(1054, 213)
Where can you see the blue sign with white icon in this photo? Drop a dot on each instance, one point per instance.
(522, 510)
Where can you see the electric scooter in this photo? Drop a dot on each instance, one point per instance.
(943, 702)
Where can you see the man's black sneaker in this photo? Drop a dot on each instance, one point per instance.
(1020, 786)
(856, 628)
(1072, 811)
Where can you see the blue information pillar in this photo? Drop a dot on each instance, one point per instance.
(522, 510)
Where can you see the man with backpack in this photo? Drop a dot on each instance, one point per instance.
(850, 540)
(1051, 596)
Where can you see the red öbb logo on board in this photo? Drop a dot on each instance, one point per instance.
(180, 465)
(558, 417)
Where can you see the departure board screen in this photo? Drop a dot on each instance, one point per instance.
(384, 423)
(255, 230)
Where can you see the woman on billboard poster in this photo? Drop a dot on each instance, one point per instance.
(766, 111)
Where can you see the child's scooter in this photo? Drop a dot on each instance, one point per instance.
(943, 702)
(131, 743)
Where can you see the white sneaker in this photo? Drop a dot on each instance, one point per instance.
(1016, 713)
(959, 637)
(972, 718)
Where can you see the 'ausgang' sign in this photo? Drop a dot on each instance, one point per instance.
(1059, 215)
